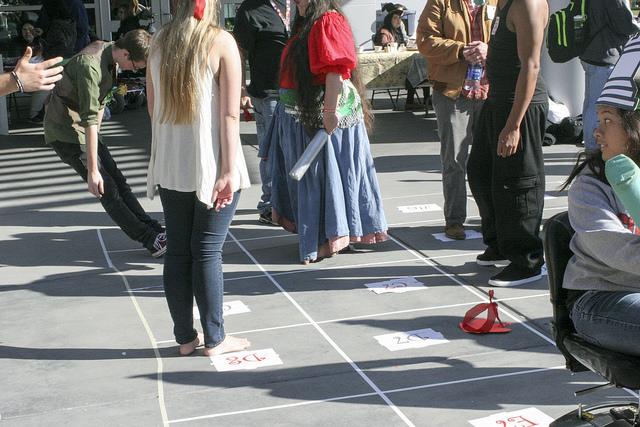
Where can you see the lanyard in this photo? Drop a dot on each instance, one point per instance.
(287, 14)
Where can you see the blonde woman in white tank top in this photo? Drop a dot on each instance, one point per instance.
(193, 88)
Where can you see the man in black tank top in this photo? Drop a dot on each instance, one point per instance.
(506, 166)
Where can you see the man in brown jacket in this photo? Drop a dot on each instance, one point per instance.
(453, 36)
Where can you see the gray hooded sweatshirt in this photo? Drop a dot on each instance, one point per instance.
(606, 251)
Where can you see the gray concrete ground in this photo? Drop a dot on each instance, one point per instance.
(86, 336)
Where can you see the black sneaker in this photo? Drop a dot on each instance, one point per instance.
(159, 245)
(265, 218)
(513, 275)
(491, 257)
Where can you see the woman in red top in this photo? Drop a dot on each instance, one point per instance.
(338, 200)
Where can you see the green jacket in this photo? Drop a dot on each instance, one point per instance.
(78, 98)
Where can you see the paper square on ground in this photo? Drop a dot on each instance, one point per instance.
(396, 286)
(234, 307)
(430, 207)
(491, 420)
(411, 339)
(470, 234)
(522, 418)
(228, 308)
(242, 360)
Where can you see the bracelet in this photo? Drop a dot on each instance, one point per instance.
(18, 81)
(328, 110)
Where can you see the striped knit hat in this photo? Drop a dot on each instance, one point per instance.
(622, 89)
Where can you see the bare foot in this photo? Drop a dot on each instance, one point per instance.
(229, 345)
(190, 347)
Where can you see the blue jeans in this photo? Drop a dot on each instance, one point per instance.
(595, 77)
(609, 319)
(264, 108)
(193, 264)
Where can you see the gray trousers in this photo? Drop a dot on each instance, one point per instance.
(456, 119)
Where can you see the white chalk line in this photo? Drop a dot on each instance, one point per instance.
(340, 267)
(356, 396)
(147, 328)
(333, 344)
(368, 316)
(441, 220)
(471, 289)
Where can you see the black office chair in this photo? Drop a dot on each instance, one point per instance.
(618, 369)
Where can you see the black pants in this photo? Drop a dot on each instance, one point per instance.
(118, 200)
(510, 191)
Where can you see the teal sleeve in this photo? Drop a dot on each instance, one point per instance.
(624, 176)
(88, 87)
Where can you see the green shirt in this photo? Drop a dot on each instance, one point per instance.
(79, 96)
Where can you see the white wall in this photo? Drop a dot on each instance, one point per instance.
(565, 82)
(362, 16)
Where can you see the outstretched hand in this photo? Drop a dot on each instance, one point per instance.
(38, 76)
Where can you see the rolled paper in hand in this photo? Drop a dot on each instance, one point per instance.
(624, 176)
(309, 155)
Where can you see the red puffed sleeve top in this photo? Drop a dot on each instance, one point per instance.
(331, 50)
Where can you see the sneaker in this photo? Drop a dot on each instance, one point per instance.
(490, 257)
(265, 218)
(513, 275)
(455, 231)
(159, 245)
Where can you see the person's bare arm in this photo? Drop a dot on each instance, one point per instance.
(150, 92)
(229, 79)
(40, 76)
(7, 84)
(245, 99)
(333, 89)
(528, 19)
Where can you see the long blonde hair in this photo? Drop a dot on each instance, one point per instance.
(184, 44)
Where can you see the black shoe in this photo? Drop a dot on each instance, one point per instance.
(491, 257)
(513, 275)
(265, 218)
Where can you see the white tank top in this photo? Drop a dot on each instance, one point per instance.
(187, 157)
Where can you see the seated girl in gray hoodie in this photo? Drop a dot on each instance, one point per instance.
(604, 273)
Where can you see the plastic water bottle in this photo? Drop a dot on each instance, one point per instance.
(472, 79)
(578, 26)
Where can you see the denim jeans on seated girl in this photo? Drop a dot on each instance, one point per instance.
(609, 319)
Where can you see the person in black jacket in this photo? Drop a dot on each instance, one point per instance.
(129, 13)
(26, 38)
(262, 28)
(64, 25)
(611, 23)
(392, 29)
